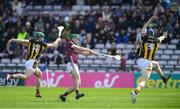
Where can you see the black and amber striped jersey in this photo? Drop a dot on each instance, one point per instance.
(148, 48)
(35, 49)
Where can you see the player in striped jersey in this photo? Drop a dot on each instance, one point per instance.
(36, 47)
(148, 48)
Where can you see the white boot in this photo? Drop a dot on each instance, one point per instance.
(8, 77)
(133, 97)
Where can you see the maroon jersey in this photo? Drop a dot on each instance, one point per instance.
(71, 52)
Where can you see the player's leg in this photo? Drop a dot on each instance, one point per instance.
(69, 91)
(146, 69)
(77, 82)
(157, 68)
(30, 69)
(144, 78)
(38, 75)
(28, 73)
(73, 69)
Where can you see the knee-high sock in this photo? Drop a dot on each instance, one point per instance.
(144, 78)
(38, 84)
(69, 91)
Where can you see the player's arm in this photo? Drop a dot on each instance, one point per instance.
(83, 50)
(144, 29)
(19, 41)
(54, 44)
(161, 38)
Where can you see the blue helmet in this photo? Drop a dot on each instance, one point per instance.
(150, 32)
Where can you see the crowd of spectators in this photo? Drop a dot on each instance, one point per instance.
(112, 25)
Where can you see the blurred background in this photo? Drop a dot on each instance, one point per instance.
(108, 26)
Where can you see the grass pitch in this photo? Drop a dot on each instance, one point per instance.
(23, 97)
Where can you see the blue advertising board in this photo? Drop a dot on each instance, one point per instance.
(10, 82)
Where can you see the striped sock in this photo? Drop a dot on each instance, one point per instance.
(37, 91)
(66, 94)
(77, 91)
(136, 91)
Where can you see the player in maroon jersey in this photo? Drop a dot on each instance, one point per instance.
(72, 51)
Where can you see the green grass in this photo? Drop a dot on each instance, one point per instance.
(23, 97)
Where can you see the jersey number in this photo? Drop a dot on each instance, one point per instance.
(36, 48)
(150, 46)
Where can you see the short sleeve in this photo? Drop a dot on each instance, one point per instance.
(45, 45)
(29, 41)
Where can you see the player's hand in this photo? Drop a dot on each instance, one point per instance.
(154, 17)
(57, 42)
(58, 39)
(96, 53)
(165, 34)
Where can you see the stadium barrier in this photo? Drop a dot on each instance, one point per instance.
(96, 80)
(132, 68)
(89, 79)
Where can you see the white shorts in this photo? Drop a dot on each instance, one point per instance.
(144, 64)
(70, 66)
(31, 64)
